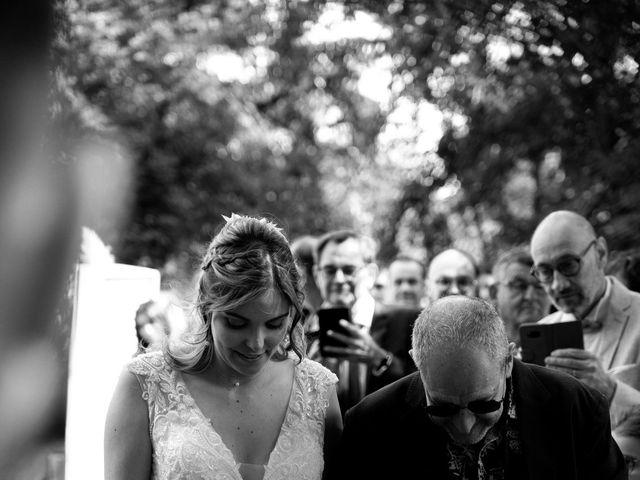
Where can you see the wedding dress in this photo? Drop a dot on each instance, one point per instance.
(186, 446)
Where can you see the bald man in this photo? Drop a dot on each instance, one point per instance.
(452, 272)
(474, 411)
(569, 261)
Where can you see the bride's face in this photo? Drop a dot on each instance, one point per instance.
(246, 338)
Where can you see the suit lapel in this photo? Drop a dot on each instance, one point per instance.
(379, 323)
(616, 325)
(533, 406)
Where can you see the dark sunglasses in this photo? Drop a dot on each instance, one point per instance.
(567, 265)
(478, 407)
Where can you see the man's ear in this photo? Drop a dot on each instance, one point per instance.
(316, 274)
(602, 251)
(513, 349)
(371, 272)
(413, 358)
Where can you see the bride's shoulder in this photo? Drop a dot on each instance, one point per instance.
(148, 363)
(312, 371)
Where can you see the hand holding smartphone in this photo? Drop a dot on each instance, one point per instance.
(539, 340)
(329, 319)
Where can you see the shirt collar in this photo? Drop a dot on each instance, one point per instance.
(363, 310)
(597, 316)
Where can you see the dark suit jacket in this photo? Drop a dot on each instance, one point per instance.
(391, 329)
(564, 432)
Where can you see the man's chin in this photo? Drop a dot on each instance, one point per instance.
(470, 439)
(342, 300)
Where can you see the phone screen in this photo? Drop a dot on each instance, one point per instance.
(539, 340)
(329, 319)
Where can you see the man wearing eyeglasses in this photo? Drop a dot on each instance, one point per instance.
(569, 261)
(473, 411)
(518, 296)
(375, 345)
(452, 272)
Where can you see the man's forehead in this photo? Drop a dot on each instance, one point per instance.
(550, 247)
(405, 268)
(476, 376)
(516, 269)
(452, 266)
(350, 251)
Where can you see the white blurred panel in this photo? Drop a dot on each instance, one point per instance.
(103, 340)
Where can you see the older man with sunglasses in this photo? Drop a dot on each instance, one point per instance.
(473, 411)
(569, 261)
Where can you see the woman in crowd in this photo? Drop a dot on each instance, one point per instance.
(238, 400)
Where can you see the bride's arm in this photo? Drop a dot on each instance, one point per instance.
(332, 434)
(127, 446)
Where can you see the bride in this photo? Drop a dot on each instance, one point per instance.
(237, 399)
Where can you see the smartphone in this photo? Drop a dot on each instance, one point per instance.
(329, 319)
(539, 340)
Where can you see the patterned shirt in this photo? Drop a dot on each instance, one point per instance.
(486, 459)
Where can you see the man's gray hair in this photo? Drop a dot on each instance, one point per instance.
(455, 322)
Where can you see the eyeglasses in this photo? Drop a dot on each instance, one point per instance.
(479, 407)
(347, 270)
(463, 282)
(521, 285)
(567, 265)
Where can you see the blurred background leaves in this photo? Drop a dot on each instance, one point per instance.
(423, 124)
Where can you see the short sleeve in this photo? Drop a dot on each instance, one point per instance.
(317, 382)
(152, 371)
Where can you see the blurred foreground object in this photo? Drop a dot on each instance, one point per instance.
(38, 239)
(105, 302)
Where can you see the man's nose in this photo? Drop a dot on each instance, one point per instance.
(454, 288)
(559, 281)
(529, 292)
(339, 276)
(464, 421)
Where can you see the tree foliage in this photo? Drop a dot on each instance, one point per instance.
(539, 102)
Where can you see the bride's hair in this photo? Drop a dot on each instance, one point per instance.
(246, 259)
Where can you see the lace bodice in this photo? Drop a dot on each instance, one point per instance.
(186, 446)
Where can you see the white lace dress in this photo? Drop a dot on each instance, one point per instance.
(185, 445)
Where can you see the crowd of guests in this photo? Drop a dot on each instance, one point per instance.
(425, 373)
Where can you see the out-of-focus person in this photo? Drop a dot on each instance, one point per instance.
(486, 281)
(474, 411)
(237, 398)
(519, 296)
(625, 266)
(303, 249)
(159, 320)
(452, 272)
(626, 433)
(376, 345)
(569, 261)
(380, 289)
(406, 282)
(39, 237)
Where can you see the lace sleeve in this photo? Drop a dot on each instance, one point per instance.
(149, 369)
(317, 381)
